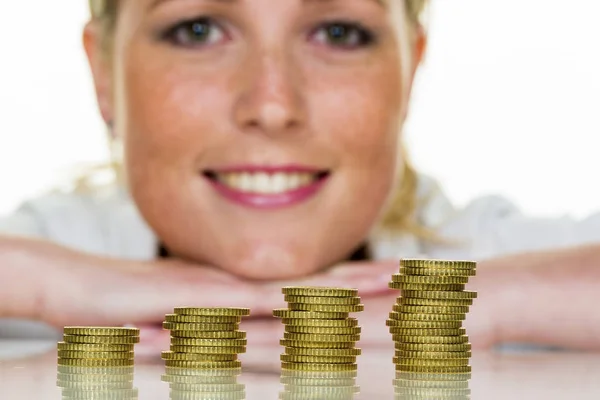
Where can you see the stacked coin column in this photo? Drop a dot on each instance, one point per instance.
(426, 321)
(205, 338)
(97, 362)
(319, 334)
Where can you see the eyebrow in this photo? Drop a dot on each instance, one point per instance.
(156, 3)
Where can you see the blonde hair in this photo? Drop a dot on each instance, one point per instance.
(400, 215)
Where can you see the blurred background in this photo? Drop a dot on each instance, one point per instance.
(508, 101)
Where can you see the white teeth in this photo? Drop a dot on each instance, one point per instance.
(263, 183)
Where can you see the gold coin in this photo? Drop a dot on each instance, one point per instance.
(450, 264)
(84, 378)
(322, 300)
(110, 372)
(458, 347)
(114, 355)
(212, 343)
(202, 335)
(320, 338)
(101, 339)
(203, 364)
(73, 362)
(431, 339)
(316, 345)
(285, 313)
(318, 374)
(425, 287)
(408, 324)
(208, 350)
(323, 330)
(203, 372)
(318, 359)
(406, 301)
(213, 311)
(437, 272)
(185, 342)
(95, 347)
(431, 309)
(430, 369)
(319, 291)
(436, 355)
(418, 294)
(318, 367)
(100, 331)
(322, 352)
(324, 323)
(192, 395)
(169, 355)
(199, 379)
(203, 319)
(427, 317)
(175, 326)
(432, 362)
(430, 280)
(427, 332)
(326, 307)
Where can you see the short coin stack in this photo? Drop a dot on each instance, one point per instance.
(97, 362)
(319, 334)
(426, 322)
(205, 338)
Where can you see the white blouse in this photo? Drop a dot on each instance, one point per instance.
(107, 223)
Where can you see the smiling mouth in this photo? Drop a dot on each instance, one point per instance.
(266, 182)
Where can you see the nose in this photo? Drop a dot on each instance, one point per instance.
(269, 99)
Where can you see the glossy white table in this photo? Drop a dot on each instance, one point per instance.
(28, 371)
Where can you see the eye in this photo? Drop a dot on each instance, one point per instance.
(197, 32)
(346, 35)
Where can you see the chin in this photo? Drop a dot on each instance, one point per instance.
(271, 263)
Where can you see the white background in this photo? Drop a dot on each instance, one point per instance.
(508, 101)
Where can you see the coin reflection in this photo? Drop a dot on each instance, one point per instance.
(207, 384)
(308, 385)
(96, 383)
(415, 386)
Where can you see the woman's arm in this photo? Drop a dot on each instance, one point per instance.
(549, 298)
(45, 282)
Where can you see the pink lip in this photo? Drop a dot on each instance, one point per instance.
(269, 201)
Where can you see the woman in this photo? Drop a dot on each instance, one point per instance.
(262, 148)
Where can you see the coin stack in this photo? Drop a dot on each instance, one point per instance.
(205, 338)
(319, 334)
(204, 384)
(426, 321)
(411, 386)
(303, 385)
(97, 362)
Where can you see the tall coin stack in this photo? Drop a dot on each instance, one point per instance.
(205, 338)
(319, 334)
(426, 321)
(97, 362)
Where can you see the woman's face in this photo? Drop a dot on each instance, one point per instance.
(260, 136)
